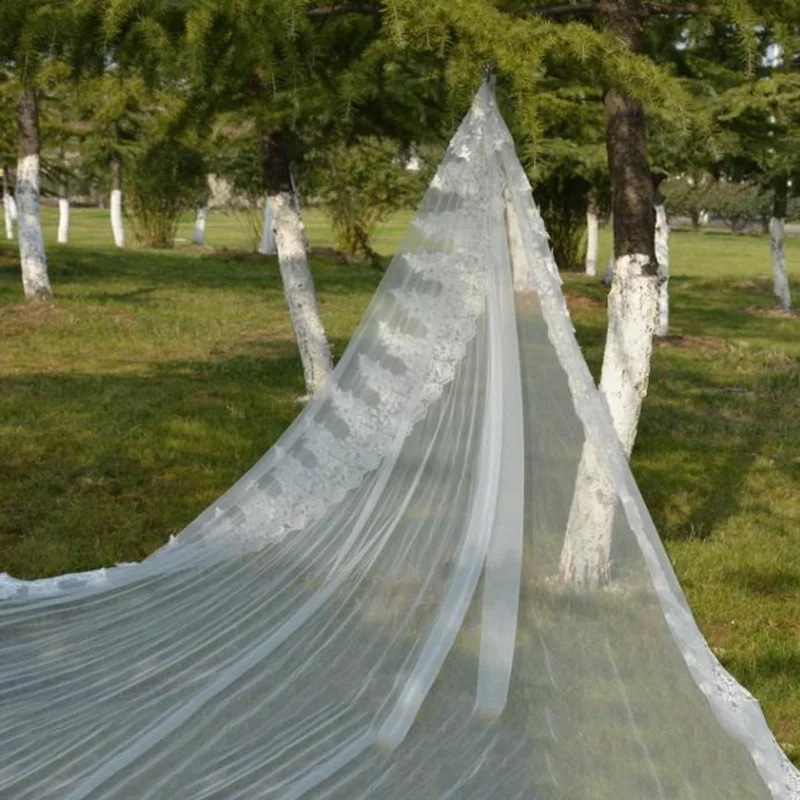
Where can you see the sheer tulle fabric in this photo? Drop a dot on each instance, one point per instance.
(376, 610)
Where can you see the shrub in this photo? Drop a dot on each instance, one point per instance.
(237, 162)
(562, 201)
(165, 180)
(360, 185)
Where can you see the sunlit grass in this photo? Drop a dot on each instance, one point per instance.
(157, 378)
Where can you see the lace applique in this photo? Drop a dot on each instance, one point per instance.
(791, 776)
(727, 687)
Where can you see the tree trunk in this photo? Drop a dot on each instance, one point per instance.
(632, 320)
(592, 234)
(267, 244)
(662, 255)
(298, 285)
(7, 212)
(63, 213)
(35, 280)
(200, 221)
(608, 280)
(777, 238)
(117, 227)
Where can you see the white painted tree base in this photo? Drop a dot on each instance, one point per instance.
(592, 239)
(609, 278)
(7, 215)
(35, 280)
(298, 286)
(662, 256)
(633, 304)
(117, 228)
(199, 235)
(267, 245)
(777, 240)
(63, 220)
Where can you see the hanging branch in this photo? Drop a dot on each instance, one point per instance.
(666, 9)
(563, 10)
(645, 10)
(374, 9)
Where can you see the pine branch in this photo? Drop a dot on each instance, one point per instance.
(564, 10)
(647, 9)
(374, 9)
(667, 9)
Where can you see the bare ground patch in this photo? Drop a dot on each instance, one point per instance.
(578, 303)
(32, 315)
(703, 344)
(780, 313)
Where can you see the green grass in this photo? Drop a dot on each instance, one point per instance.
(156, 379)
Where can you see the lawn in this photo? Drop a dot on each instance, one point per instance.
(156, 379)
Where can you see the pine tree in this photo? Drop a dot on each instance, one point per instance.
(59, 103)
(8, 149)
(761, 122)
(114, 110)
(33, 34)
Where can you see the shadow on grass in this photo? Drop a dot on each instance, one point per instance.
(71, 269)
(102, 468)
(700, 435)
(698, 443)
(766, 581)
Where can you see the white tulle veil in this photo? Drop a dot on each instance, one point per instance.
(376, 609)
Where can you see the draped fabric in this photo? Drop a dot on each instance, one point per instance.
(376, 609)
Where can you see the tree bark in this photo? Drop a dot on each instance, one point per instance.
(777, 236)
(7, 212)
(298, 284)
(592, 234)
(117, 227)
(632, 320)
(35, 280)
(200, 221)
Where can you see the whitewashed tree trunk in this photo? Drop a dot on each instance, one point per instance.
(9, 220)
(296, 199)
(777, 240)
(592, 237)
(33, 260)
(35, 280)
(8, 203)
(117, 228)
(267, 246)
(63, 220)
(632, 319)
(298, 286)
(199, 236)
(609, 278)
(662, 255)
(14, 211)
